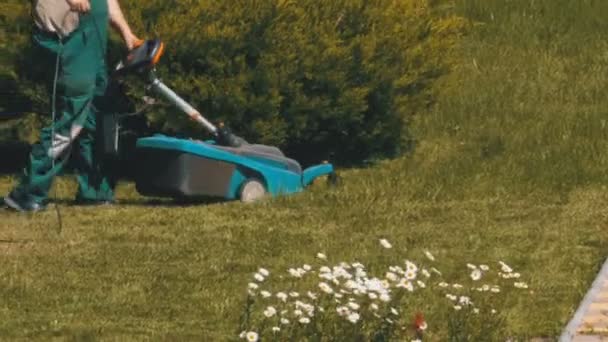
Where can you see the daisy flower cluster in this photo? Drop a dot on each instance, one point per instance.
(347, 299)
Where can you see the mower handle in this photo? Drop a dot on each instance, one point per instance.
(144, 59)
(157, 85)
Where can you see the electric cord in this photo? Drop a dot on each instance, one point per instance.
(53, 117)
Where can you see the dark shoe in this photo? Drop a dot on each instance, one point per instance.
(22, 205)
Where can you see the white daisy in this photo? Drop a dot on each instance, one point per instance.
(342, 311)
(464, 300)
(353, 305)
(295, 273)
(325, 288)
(353, 317)
(391, 276)
(386, 244)
(476, 275)
(264, 272)
(322, 256)
(410, 266)
(429, 255)
(252, 336)
(505, 268)
(270, 311)
(396, 269)
(520, 285)
(325, 269)
(385, 297)
(304, 320)
(406, 284)
(258, 277)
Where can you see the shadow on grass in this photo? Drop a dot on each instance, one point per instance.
(14, 156)
(151, 202)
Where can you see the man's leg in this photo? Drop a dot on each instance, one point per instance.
(37, 178)
(95, 182)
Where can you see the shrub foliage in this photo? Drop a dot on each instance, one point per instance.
(336, 79)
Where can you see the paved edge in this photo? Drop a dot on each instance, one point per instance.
(571, 329)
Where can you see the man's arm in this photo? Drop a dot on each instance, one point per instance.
(117, 19)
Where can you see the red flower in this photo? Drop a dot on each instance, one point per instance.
(419, 322)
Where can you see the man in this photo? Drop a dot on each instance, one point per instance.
(80, 79)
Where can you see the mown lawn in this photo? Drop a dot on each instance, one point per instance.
(153, 269)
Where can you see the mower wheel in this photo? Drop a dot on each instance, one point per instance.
(252, 190)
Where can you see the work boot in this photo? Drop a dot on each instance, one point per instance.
(21, 204)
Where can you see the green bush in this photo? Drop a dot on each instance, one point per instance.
(15, 91)
(338, 79)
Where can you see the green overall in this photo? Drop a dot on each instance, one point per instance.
(80, 85)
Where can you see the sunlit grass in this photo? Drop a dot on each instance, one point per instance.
(143, 270)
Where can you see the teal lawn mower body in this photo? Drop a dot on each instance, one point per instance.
(188, 168)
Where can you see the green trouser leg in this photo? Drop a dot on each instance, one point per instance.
(94, 183)
(81, 82)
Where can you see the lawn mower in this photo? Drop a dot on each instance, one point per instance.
(225, 166)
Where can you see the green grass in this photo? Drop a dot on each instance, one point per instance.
(510, 165)
(156, 270)
(524, 109)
